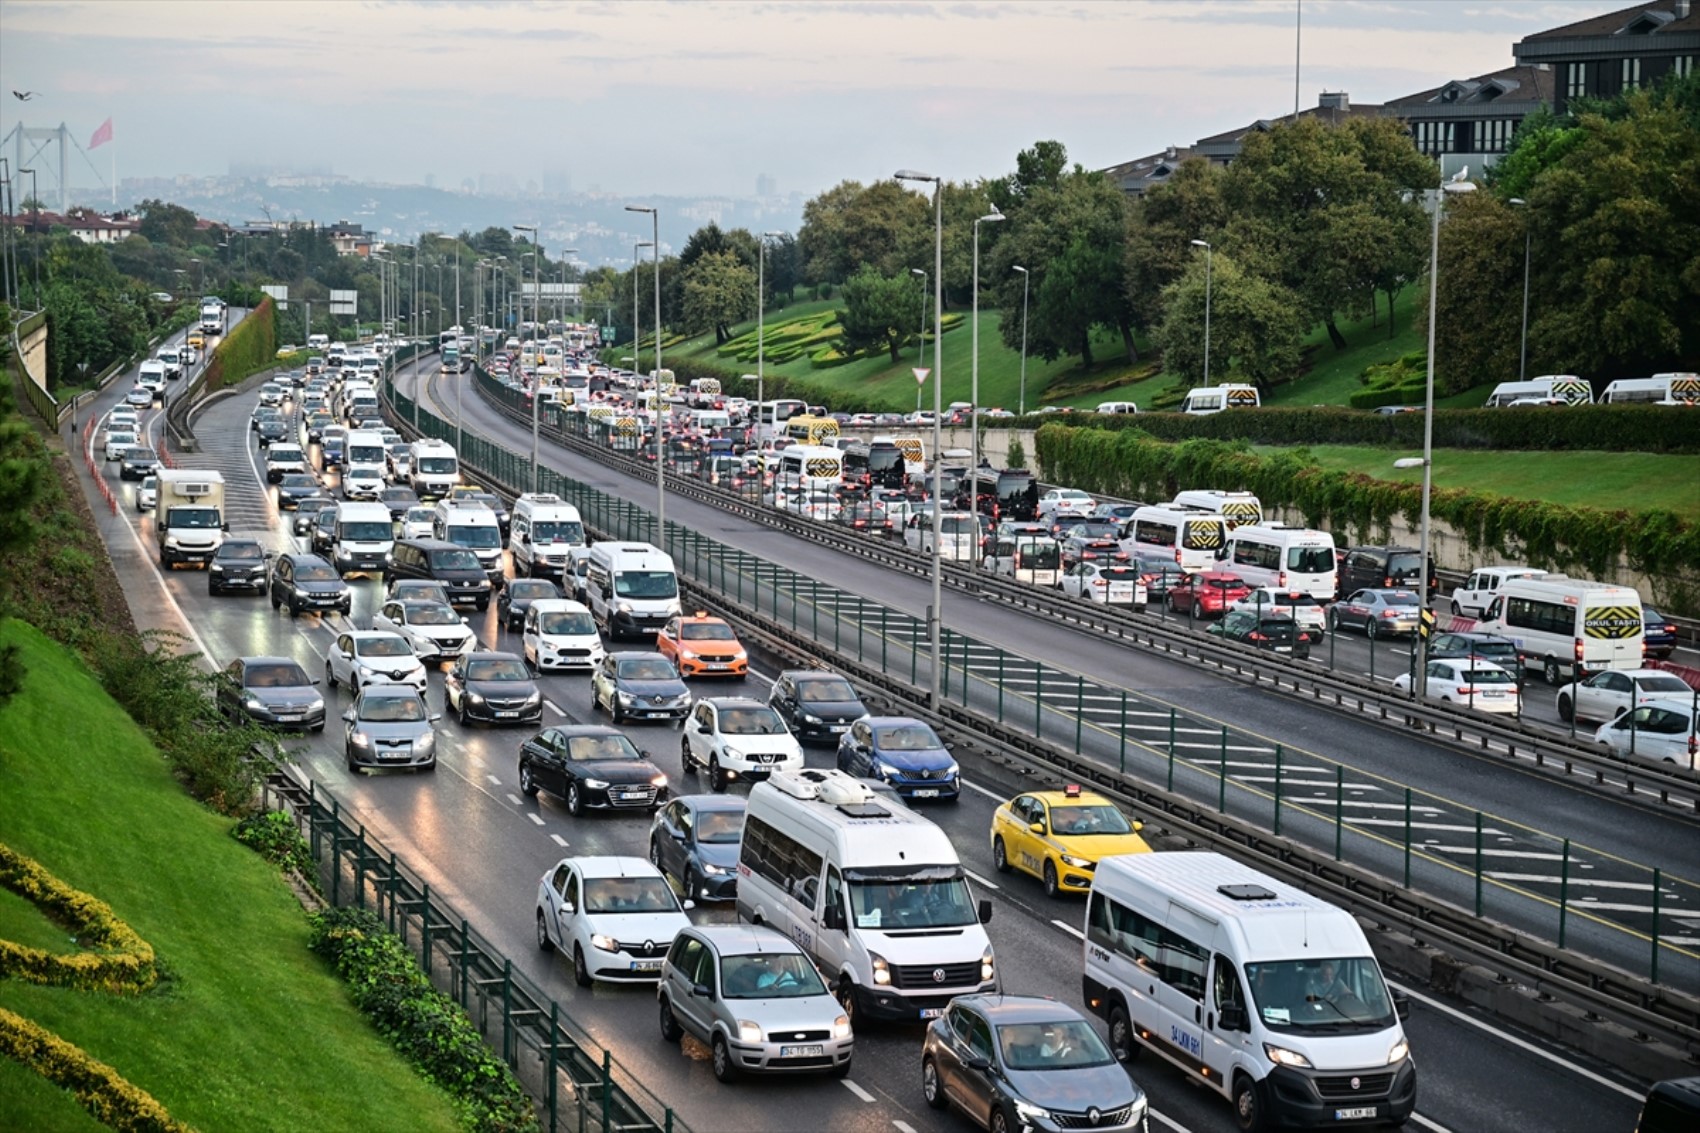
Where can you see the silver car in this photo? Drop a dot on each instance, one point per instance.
(755, 1000)
(389, 726)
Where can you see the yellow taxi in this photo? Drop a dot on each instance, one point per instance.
(197, 339)
(1060, 836)
(701, 646)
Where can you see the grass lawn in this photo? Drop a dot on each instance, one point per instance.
(1612, 481)
(247, 1029)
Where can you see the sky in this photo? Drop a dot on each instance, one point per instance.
(698, 98)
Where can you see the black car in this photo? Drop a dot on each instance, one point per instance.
(321, 537)
(816, 704)
(1278, 633)
(137, 463)
(1384, 568)
(455, 567)
(1660, 640)
(308, 583)
(517, 596)
(275, 691)
(694, 838)
(1094, 539)
(1160, 576)
(307, 513)
(271, 429)
(492, 687)
(238, 564)
(315, 426)
(421, 589)
(1502, 651)
(639, 686)
(592, 767)
(293, 487)
(398, 499)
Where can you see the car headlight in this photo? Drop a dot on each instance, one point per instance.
(360, 739)
(658, 781)
(596, 784)
(624, 697)
(604, 942)
(952, 771)
(317, 704)
(731, 753)
(426, 741)
(808, 719)
(1281, 1056)
(1077, 863)
(748, 1032)
(253, 704)
(882, 970)
(1029, 1112)
(988, 966)
(711, 870)
(216, 568)
(1399, 1051)
(885, 770)
(474, 697)
(535, 698)
(841, 1027)
(622, 607)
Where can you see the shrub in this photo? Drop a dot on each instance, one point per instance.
(100, 1089)
(125, 962)
(273, 836)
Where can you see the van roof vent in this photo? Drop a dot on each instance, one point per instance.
(1245, 892)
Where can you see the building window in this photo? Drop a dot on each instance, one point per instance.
(1436, 137)
(1494, 135)
(1682, 66)
(1630, 74)
(1575, 80)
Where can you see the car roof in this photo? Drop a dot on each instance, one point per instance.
(888, 721)
(732, 702)
(250, 661)
(715, 802)
(1063, 798)
(305, 558)
(1020, 1008)
(741, 938)
(609, 865)
(397, 691)
(634, 655)
(491, 655)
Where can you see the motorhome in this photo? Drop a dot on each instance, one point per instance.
(1568, 628)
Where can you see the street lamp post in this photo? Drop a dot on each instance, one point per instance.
(637, 355)
(921, 336)
(1523, 349)
(934, 613)
(661, 409)
(761, 324)
(974, 368)
(536, 381)
(1025, 280)
(566, 268)
(1208, 252)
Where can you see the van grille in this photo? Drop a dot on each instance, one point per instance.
(922, 975)
(1342, 1086)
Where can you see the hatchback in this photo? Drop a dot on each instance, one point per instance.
(517, 596)
(904, 752)
(752, 996)
(1277, 633)
(147, 493)
(1661, 731)
(1502, 651)
(136, 462)
(1208, 593)
(694, 839)
(363, 658)
(293, 487)
(816, 704)
(308, 582)
(389, 726)
(616, 918)
(559, 633)
(307, 513)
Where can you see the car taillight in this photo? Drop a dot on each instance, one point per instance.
(1466, 690)
(1389, 613)
(1578, 653)
(1304, 637)
(1088, 554)
(1254, 636)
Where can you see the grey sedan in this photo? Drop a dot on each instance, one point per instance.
(389, 726)
(275, 691)
(1379, 613)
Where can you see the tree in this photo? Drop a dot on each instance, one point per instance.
(849, 227)
(165, 223)
(820, 242)
(1041, 166)
(494, 241)
(1161, 228)
(877, 310)
(718, 291)
(1255, 323)
(1477, 333)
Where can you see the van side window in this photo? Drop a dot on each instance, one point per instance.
(1168, 955)
(834, 894)
(1225, 985)
(781, 860)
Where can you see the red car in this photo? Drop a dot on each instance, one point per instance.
(1208, 593)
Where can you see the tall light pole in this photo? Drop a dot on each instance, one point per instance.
(661, 408)
(536, 381)
(637, 355)
(1208, 252)
(974, 369)
(921, 336)
(1523, 350)
(761, 323)
(1419, 681)
(934, 613)
(1026, 279)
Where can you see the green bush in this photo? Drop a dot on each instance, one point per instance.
(251, 346)
(122, 962)
(274, 837)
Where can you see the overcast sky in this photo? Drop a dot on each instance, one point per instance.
(698, 98)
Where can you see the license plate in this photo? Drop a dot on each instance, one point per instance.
(841, 727)
(1283, 649)
(801, 1051)
(715, 665)
(290, 717)
(655, 966)
(506, 715)
(1357, 1113)
(633, 794)
(927, 793)
(931, 1012)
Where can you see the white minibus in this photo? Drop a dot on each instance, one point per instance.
(958, 535)
(810, 468)
(1568, 628)
(1292, 558)
(1191, 538)
(1235, 507)
(1204, 400)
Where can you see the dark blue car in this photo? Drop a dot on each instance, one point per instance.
(1661, 633)
(695, 838)
(903, 752)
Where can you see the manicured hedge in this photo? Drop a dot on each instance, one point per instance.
(124, 962)
(112, 1100)
(251, 346)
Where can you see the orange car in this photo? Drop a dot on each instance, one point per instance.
(702, 646)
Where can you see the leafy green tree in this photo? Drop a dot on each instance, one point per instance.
(878, 309)
(1161, 228)
(1040, 166)
(1481, 255)
(166, 223)
(849, 227)
(1254, 323)
(719, 290)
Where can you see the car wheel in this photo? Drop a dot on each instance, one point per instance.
(686, 766)
(670, 1029)
(1122, 1043)
(1000, 1123)
(1051, 883)
(581, 971)
(484, 605)
(716, 776)
(294, 610)
(575, 800)
(931, 1088)
(527, 784)
(846, 993)
(1333, 621)
(1457, 612)
(655, 856)
(1565, 712)
(348, 758)
(724, 1070)
(1550, 671)
(1370, 631)
(1197, 609)
(1248, 1105)
(614, 712)
(1000, 855)
(692, 884)
(544, 944)
(330, 676)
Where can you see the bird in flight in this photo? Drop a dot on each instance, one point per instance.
(23, 95)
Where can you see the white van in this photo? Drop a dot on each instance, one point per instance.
(710, 420)
(809, 468)
(1470, 599)
(362, 539)
(471, 524)
(1116, 407)
(1213, 399)
(542, 534)
(958, 535)
(433, 468)
(1191, 538)
(632, 588)
(559, 633)
(1546, 389)
(151, 376)
(1235, 507)
(1291, 558)
(1257, 990)
(873, 891)
(1568, 628)
(363, 462)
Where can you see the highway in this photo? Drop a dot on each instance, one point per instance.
(482, 846)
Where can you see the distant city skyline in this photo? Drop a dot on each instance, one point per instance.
(705, 99)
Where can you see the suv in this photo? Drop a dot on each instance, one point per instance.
(1384, 568)
(455, 567)
(308, 582)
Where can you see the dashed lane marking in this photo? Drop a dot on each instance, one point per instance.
(1070, 929)
(857, 1090)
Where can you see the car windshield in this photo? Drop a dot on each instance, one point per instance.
(1065, 1044)
(706, 631)
(720, 827)
(281, 675)
(1310, 560)
(567, 623)
(496, 669)
(1399, 599)
(1320, 996)
(315, 572)
(1119, 574)
(646, 584)
(751, 722)
(251, 552)
(367, 531)
(387, 645)
(628, 895)
(1496, 676)
(420, 514)
(913, 901)
(454, 560)
(557, 531)
(1089, 818)
(529, 590)
(431, 614)
(906, 737)
(1223, 584)
(298, 480)
(436, 465)
(392, 709)
(958, 524)
(194, 517)
(483, 538)
(1097, 531)
(825, 692)
(647, 669)
(769, 975)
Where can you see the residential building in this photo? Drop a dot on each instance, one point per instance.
(1606, 55)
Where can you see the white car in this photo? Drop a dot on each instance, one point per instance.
(615, 917)
(1063, 503)
(1302, 608)
(1472, 682)
(147, 493)
(733, 737)
(559, 633)
(1666, 730)
(417, 523)
(433, 629)
(1608, 695)
(118, 441)
(1111, 583)
(362, 658)
(139, 396)
(123, 417)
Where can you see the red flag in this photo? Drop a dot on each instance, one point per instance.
(102, 135)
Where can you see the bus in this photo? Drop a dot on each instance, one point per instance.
(1192, 538)
(805, 429)
(1568, 628)
(1660, 389)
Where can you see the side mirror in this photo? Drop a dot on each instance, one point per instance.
(567, 907)
(434, 717)
(349, 716)
(985, 911)
(1232, 1018)
(834, 918)
(1138, 826)
(1037, 827)
(978, 1062)
(702, 991)
(316, 682)
(463, 620)
(1401, 1005)
(688, 904)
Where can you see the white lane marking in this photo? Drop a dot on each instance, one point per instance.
(857, 1090)
(1643, 886)
(516, 800)
(981, 880)
(1427, 1124)
(1535, 855)
(558, 840)
(1070, 929)
(494, 782)
(1455, 827)
(166, 590)
(1504, 1037)
(1169, 1121)
(982, 790)
(553, 707)
(535, 817)
(903, 1126)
